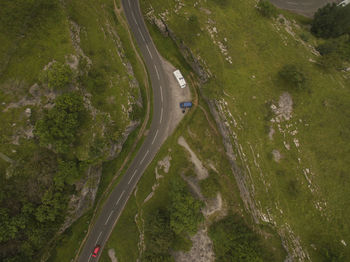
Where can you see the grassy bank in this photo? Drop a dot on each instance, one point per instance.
(295, 167)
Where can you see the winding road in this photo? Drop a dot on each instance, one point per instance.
(156, 135)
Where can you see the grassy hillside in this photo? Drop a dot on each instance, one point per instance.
(291, 143)
(70, 86)
(144, 229)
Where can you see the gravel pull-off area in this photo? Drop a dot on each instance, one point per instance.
(178, 95)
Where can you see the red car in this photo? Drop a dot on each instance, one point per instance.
(96, 250)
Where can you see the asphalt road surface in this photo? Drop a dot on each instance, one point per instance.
(155, 137)
(303, 7)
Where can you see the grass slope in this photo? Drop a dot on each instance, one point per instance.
(300, 204)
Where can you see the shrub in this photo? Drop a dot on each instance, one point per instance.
(293, 75)
(60, 125)
(185, 214)
(331, 21)
(234, 241)
(335, 51)
(58, 76)
(267, 9)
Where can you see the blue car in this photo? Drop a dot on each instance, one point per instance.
(186, 104)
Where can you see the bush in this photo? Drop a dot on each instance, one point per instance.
(267, 9)
(158, 233)
(292, 75)
(185, 210)
(58, 76)
(234, 241)
(335, 51)
(331, 21)
(60, 125)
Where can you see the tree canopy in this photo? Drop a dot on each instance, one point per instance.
(267, 9)
(60, 125)
(331, 21)
(185, 214)
(234, 241)
(292, 75)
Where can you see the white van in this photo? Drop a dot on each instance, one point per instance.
(180, 79)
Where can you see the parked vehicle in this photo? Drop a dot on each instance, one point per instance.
(180, 79)
(186, 104)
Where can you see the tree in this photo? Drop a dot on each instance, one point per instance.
(293, 75)
(9, 226)
(185, 211)
(158, 233)
(59, 75)
(68, 172)
(267, 9)
(53, 203)
(335, 51)
(60, 125)
(331, 21)
(234, 241)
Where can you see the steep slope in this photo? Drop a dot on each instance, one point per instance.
(71, 93)
(290, 144)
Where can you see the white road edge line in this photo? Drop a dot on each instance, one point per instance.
(98, 238)
(109, 217)
(155, 67)
(161, 116)
(119, 198)
(144, 157)
(132, 176)
(129, 4)
(161, 94)
(154, 138)
(141, 34)
(149, 52)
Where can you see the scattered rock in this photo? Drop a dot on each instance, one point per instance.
(111, 254)
(201, 251)
(285, 107)
(276, 155)
(28, 112)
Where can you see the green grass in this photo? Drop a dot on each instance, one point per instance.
(258, 49)
(70, 239)
(209, 151)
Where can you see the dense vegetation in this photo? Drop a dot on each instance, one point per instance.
(292, 76)
(169, 228)
(331, 21)
(59, 127)
(61, 112)
(266, 8)
(234, 241)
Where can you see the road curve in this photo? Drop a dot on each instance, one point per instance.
(155, 136)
